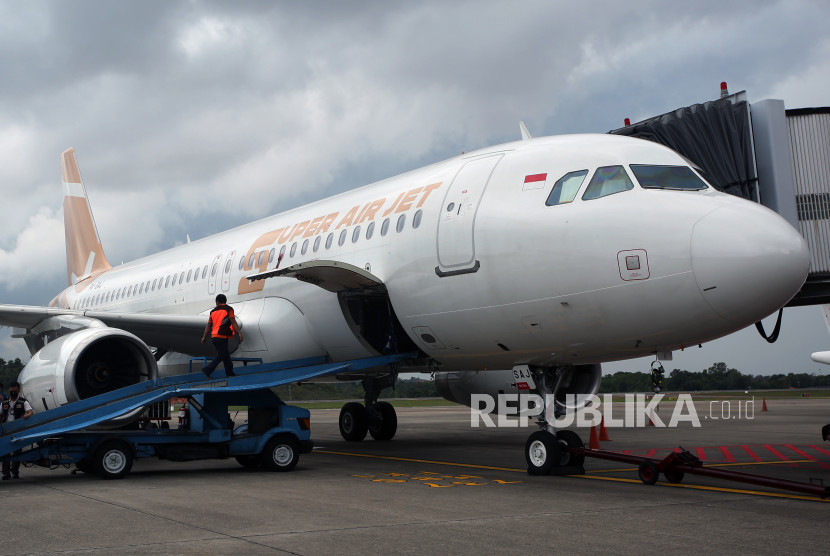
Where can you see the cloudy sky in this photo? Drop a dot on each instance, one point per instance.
(173, 106)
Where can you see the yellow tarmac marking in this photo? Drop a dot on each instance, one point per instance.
(421, 461)
(594, 477)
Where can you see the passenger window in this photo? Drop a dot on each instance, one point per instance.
(305, 247)
(154, 285)
(282, 250)
(317, 243)
(293, 249)
(342, 239)
(401, 223)
(204, 272)
(271, 254)
(181, 277)
(189, 274)
(384, 227)
(213, 269)
(566, 188)
(416, 220)
(356, 234)
(329, 241)
(251, 260)
(607, 180)
(370, 229)
(241, 262)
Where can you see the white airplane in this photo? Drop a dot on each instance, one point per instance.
(549, 255)
(823, 356)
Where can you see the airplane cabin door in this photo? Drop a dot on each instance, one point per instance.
(456, 244)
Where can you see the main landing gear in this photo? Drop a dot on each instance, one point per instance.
(546, 450)
(376, 418)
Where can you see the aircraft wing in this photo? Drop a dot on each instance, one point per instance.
(181, 333)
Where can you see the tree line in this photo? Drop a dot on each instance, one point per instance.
(716, 377)
(9, 370)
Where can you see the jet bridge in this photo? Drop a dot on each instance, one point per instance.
(765, 153)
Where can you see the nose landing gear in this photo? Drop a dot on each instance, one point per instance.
(547, 450)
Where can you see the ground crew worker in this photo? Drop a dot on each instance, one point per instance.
(14, 407)
(221, 326)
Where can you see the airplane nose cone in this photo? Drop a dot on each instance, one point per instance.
(748, 261)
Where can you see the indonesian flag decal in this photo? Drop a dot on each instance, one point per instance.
(522, 386)
(536, 178)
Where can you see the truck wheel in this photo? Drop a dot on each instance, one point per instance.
(250, 461)
(113, 459)
(281, 454)
(648, 472)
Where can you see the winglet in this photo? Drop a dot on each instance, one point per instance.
(84, 253)
(525, 133)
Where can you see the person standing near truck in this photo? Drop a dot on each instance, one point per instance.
(14, 407)
(221, 326)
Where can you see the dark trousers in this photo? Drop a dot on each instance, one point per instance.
(222, 356)
(15, 466)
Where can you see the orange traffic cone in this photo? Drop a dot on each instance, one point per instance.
(764, 408)
(603, 432)
(593, 443)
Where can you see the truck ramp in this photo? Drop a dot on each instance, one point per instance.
(82, 414)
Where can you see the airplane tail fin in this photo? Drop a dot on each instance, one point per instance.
(84, 253)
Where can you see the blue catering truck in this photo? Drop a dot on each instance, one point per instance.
(273, 438)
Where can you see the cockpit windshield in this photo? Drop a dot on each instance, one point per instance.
(667, 177)
(607, 180)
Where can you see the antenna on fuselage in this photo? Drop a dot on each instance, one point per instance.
(525, 133)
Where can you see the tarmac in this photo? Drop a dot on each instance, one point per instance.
(443, 486)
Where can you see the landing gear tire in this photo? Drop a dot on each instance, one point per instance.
(648, 472)
(673, 476)
(113, 459)
(354, 423)
(569, 439)
(249, 461)
(542, 452)
(281, 454)
(384, 422)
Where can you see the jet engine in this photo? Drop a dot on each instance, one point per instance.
(84, 363)
(571, 387)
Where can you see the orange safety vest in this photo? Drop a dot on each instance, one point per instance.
(221, 318)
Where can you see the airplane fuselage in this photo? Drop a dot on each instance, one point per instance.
(482, 271)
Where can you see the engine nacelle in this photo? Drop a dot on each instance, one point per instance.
(577, 384)
(85, 363)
